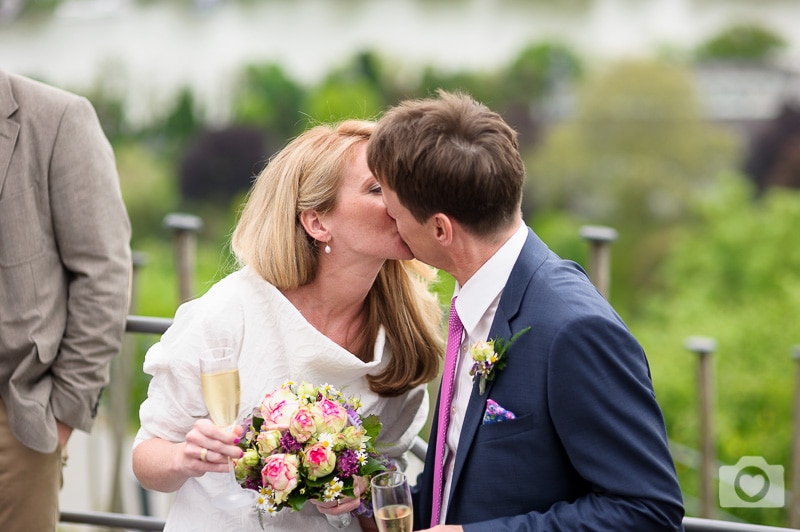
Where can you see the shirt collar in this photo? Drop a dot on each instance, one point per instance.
(484, 287)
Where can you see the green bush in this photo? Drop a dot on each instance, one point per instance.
(744, 41)
(731, 275)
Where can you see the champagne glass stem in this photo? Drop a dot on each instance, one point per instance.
(339, 521)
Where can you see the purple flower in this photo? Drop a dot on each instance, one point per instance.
(365, 508)
(289, 444)
(353, 417)
(347, 463)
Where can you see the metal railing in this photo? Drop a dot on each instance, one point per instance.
(147, 324)
(153, 325)
(113, 520)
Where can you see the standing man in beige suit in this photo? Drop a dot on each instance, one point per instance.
(65, 269)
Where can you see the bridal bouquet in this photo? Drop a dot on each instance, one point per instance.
(308, 442)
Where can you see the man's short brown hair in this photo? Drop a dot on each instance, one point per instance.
(452, 155)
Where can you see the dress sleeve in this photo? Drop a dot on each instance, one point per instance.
(174, 396)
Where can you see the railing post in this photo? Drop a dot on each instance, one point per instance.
(704, 347)
(184, 231)
(794, 498)
(599, 266)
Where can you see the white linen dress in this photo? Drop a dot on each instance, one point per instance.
(276, 344)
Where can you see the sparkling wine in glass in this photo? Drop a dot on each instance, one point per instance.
(391, 502)
(219, 377)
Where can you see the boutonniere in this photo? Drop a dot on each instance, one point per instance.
(489, 357)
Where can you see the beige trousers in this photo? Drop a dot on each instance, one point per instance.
(29, 484)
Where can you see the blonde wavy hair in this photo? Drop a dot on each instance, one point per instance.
(270, 239)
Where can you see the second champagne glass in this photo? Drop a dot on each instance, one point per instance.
(391, 502)
(219, 377)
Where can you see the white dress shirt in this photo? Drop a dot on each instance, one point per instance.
(476, 306)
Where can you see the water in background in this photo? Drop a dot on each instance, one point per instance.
(149, 51)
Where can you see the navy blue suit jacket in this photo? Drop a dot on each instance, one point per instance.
(588, 448)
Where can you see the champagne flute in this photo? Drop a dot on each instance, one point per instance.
(391, 502)
(219, 377)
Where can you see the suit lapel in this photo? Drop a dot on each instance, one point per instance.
(8, 128)
(533, 253)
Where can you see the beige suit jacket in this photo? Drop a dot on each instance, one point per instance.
(65, 260)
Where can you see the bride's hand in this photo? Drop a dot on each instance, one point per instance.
(344, 504)
(208, 448)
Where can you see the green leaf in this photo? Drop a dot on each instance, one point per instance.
(296, 501)
(372, 426)
(372, 467)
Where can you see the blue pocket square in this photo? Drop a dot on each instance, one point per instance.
(495, 413)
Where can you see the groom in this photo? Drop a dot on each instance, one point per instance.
(568, 435)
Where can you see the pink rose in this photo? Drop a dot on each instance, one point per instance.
(268, 440)
(333, 417)
(352, 437)
(277, 408)
(280, 472)
(303, 424)
(319, 459)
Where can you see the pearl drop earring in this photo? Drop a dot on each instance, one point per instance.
(327, 249)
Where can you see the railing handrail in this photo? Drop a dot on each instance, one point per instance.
(147, 324)
(150, 524)
(697, 524)
(109, 519)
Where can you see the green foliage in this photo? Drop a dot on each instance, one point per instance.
(352, 91)
(269, 99)
(746, 41)
(480, 85)
(538, 68)
(561, 233)
(184, 120)
(731, 275)
(337, 100)
(636, 150)
(148, 188)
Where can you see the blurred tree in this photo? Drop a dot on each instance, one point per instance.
(184, 120)
(338, 99)
(539, 69)
(538, 73)
(351, 91)
(635, 149)
(221, 164)
(747, 41)
(269, 99)
(148, 189)
(480, 85)
(774, 158)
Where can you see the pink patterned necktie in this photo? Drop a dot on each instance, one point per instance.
(454, 331)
